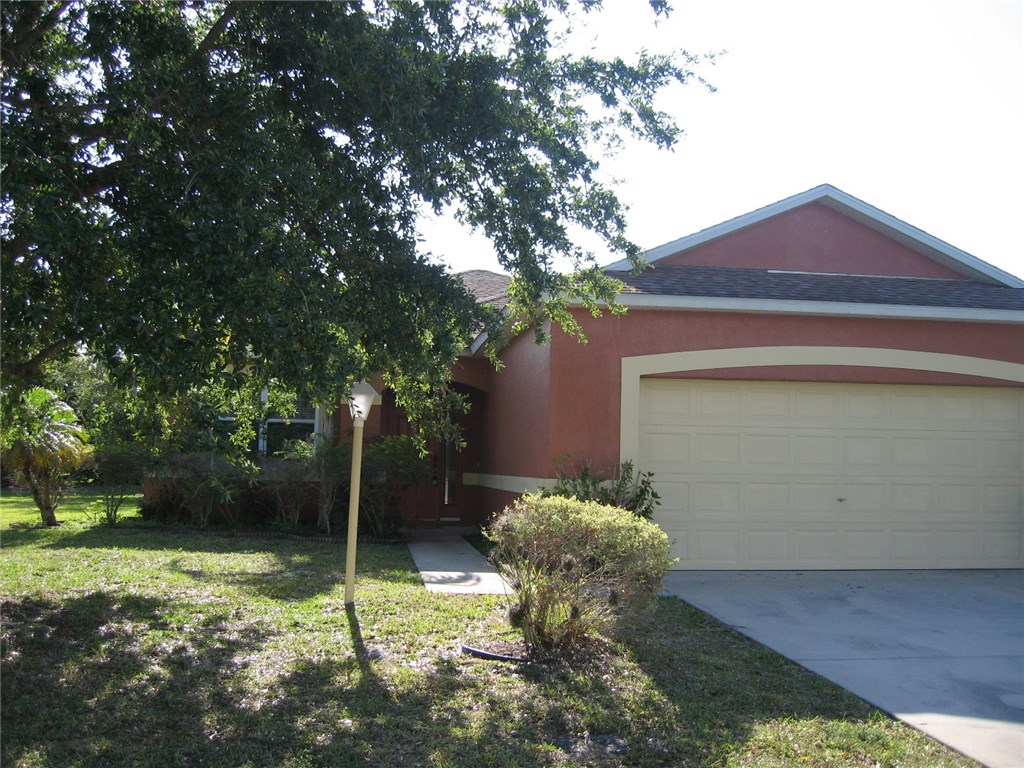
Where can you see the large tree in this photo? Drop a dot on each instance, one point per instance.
(227, 192)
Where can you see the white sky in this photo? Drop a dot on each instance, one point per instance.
(914, 106)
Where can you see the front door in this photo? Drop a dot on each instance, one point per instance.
(437, 500)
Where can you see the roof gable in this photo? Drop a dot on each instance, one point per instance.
(826, 230)
(812, 238)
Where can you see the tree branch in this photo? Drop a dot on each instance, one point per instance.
(100, 178)
(23, 36)
(29, 369)
(210, 41)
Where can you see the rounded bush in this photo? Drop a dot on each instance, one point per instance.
(574, 566)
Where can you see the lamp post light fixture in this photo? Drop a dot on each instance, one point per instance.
(360, 400)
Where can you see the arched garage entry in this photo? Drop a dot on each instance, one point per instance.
(789, 474)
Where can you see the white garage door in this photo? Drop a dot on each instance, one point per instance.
(782, 475)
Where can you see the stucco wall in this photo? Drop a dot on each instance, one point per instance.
(813, 238)
(585, 379)
(516, 435)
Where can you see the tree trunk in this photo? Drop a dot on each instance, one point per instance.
(40, 488)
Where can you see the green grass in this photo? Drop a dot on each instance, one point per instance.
(130, 646)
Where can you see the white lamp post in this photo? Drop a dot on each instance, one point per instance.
(360, 400)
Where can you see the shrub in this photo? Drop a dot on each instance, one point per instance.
(621, 486)
(327, 463)
(286, 478)
(162, 499)
(207, 483)
(574, 566)
(120, 470)
(390, 465)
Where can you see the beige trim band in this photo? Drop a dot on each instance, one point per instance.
(633, 368)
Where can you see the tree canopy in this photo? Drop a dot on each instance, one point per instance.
(227, 193)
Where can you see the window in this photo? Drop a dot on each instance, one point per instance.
(277, 429)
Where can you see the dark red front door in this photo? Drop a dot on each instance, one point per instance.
(437, 500)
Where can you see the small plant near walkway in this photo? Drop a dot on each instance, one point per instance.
(574, 566)
(621, 486)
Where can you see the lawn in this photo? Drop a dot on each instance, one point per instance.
(131, 646)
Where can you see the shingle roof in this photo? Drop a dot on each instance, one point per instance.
(487, 287)
(800, 286)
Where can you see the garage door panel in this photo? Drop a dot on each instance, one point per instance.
(817, 449)
(864, 500)
(912, 499)
(769, 547)
(764, 448)
(718, 449)
(870, 547)
(763, 498)
(866, 406)
(959, 545)
(675, 497)
(815, 406)
(956, 452)
(717, 499)
(817, 548)
(1002, 454)
(814, 499)
(768, 407)
(1002, 502)
(958, 500)
(720, 402)
(716, 546)
(670, 449)
(865, 451)
(1003, 544)
(805, 475)
(914, 546)
(913, 452)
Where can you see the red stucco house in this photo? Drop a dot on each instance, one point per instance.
(815, 384)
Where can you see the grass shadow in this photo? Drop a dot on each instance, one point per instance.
(91, 679)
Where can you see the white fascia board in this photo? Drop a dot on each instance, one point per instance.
(822, 308)
(477, 343)
(856, 209)
(917, 239)
(726, 227)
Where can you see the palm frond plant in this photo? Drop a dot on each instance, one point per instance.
(43, 443)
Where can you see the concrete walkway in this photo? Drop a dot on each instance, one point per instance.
(449, 563)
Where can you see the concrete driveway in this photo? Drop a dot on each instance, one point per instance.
(940, 650)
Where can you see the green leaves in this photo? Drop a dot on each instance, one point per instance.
(43, 443)
(200, 187)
